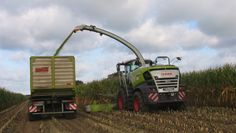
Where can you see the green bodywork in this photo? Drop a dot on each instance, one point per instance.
(51, 91)
(137, 77)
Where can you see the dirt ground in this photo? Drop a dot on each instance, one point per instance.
(195, 120)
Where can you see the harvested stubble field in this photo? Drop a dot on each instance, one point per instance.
(195, 120)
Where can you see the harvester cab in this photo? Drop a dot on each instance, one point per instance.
(126, 68)
(162, 60)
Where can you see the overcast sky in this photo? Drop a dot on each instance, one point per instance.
(202, 32)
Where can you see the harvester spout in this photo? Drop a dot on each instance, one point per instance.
(107, 33)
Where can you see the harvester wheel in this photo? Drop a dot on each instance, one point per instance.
(138, 103)
(180, 107)
(121, 100)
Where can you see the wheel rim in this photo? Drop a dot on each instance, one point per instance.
(120, 102)
(136, 104)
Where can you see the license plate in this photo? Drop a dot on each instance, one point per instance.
(168, 89)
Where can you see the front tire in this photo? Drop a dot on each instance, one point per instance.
(121, 100)
(180, 107)
(138, 103)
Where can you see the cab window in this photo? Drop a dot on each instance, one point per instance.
(133, 67)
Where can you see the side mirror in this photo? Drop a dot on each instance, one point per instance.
(179, 58)
(176, 59)
(118, 67)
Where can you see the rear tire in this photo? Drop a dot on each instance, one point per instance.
(138, 103)
(70, 116)
(182, 107)
(121, 100)
(32, 117)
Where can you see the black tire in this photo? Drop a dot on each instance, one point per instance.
(70, 116)
(122, 100)
(138, 103)
(32, 117)
(180, 107)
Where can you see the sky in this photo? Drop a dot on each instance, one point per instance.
(202, 32)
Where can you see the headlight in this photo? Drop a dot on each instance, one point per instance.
(147, 75)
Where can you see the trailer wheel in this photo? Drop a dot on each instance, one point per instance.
(31, 117)
(70, 116)
(121, 100)
(138, 103)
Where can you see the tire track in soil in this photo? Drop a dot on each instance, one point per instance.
(108, 124)
(131, 126)
(54, 126)
(6, 110)
(43, 125)
(192, 120)
(85, 123)
(80, 125)
(204, 119)
(180, 122)
(7, 114)
(136, 123)
(9, 117)
(21, 124)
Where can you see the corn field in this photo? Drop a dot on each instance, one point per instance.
(8, 98)
(213, 87)
(104, 91)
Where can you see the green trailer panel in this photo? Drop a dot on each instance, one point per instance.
(52, 74)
